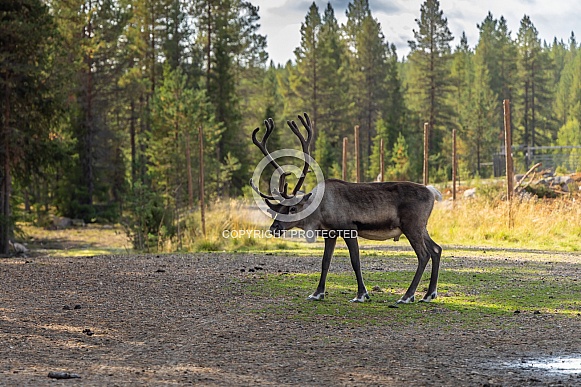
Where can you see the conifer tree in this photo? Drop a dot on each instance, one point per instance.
(429, 77)
(29, 105)
(534, 94)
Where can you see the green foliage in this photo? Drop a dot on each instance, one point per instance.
(149, 221)
(324, 155)
(30, 105)
(101, 105)
(570, 135)
(535, 94)
(374, 158)
(400, 168)
(429, 77)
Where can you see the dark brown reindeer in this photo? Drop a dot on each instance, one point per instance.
(377, 211)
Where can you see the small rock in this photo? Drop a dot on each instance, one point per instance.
(66, 307)
(160, 271)
(77, 307)
(470, 193)
(517, 311)
(63, 375)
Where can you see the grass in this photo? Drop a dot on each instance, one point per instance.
(485, 295)
(236, 226)
(84, 241)
(542, 225)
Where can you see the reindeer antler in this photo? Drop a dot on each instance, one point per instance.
(305, 144)
(262, 146)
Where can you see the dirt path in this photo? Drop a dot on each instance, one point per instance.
(195, 319)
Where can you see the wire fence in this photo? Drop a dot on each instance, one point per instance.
(565, 158)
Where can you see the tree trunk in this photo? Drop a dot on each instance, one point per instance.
(5, 223)
(132, 140)
(189, 171)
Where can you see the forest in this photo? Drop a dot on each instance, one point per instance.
(105, 103)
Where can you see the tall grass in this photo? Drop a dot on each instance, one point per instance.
(552, 224)
(230, 225)
(485, 221)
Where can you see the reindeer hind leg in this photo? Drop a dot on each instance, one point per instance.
(417, 242)
(435, 253)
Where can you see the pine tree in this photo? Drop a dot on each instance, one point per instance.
(97, 66)
(481, 134)
(382, 133)
(394, 110)
(333, 104)
(228, 32)
(496, 50)
(369, 68)
(400, 168)
(430, 78)
(324, 155)
(28, 106)
(565, 98)
(534, 93)
(305, 79)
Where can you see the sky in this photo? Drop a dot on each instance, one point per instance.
(281, 20)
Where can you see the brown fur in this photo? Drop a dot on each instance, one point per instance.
(376, 211)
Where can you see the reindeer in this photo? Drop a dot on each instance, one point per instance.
(376, 211)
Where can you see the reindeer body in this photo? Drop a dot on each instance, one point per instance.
(377, 211)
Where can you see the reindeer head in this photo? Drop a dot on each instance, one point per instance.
(284, 207)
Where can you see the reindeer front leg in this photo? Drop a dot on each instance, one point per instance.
(319, 294)
(353, 247)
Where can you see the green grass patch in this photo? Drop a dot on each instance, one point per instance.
(468, 297)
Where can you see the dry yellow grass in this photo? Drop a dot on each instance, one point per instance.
(553, 224)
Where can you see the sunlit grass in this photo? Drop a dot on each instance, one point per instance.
(238, 226)
(543, 224)
(466, 295)
(90, 240)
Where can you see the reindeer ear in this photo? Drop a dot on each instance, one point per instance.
(306, 197)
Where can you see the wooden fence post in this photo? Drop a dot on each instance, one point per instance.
(381, 168)
(344, 159)
(508, 151)
(202, 193)
(357, 161)
(426, 151)
(509, 164)
(454, 164)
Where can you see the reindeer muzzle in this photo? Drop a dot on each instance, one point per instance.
(276, 230)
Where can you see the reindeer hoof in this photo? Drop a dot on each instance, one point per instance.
(361, 298)
(316, 297)
(430, 297)
(406, 300)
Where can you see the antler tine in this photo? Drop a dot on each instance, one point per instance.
(283, 185)
(262, 146)
(305, 143)
(307, 124)
(255, 188)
